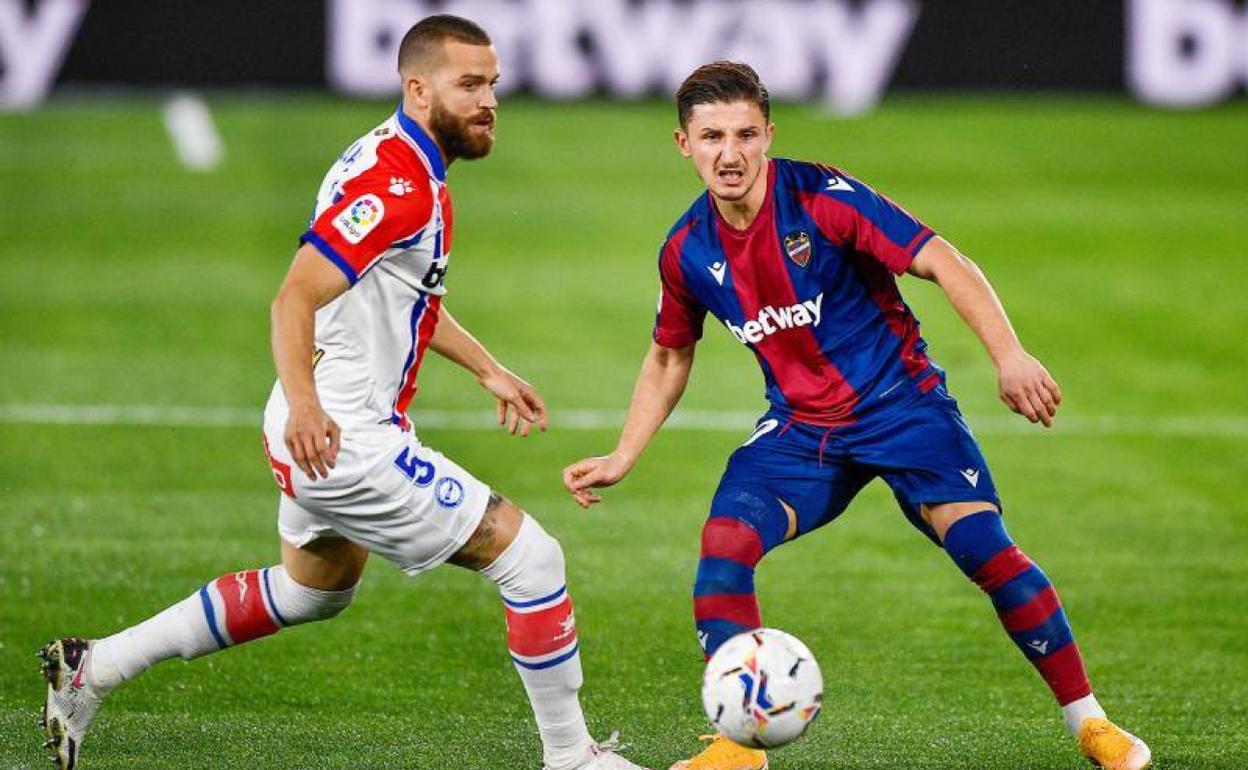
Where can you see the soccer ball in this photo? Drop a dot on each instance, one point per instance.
(762, 689)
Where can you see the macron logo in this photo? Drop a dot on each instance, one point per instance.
(971, 475)
(718, 270)
(771, 320)
(837, 183)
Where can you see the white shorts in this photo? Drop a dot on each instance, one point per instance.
(397, 498)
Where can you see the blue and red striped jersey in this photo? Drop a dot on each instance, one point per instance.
(809, 287)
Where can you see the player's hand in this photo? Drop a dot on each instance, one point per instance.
(312, 438)
(1028, 389)
(582, 478)
(519, 405)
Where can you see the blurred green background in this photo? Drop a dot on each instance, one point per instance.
(1115, 235)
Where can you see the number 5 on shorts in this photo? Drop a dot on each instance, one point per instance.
(420, 473)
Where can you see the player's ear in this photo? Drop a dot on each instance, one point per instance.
(416, 89)
(682, 142)
(769, 133)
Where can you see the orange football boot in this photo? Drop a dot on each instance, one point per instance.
(723, 754)
(1110, 747)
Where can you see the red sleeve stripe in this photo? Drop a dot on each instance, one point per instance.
(1001, 569)
(843, 225)
(675, 326)
(917, 242)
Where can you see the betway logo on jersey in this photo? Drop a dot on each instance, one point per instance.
(774, 319)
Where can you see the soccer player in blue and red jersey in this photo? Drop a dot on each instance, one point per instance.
(798, 260)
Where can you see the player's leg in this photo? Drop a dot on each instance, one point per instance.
(420, 509)
(974, 535)
(314, 582)
(783, 483)
(930, 459)
(510, 548)
(779, 485)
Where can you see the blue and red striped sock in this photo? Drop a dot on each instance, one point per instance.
(1024, 599)
(724, 603)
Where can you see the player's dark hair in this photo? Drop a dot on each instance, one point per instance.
(428, 34)
(721, 81)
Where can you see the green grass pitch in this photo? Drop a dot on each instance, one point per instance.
(1115, 235)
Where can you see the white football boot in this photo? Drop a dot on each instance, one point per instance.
(71, 702)
(603, 756)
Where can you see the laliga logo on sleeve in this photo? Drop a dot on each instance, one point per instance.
(358, 219)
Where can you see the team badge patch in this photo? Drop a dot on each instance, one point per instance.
(449, 491)
(358, 219)
(797, 246)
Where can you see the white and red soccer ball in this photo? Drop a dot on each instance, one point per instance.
(762, 688)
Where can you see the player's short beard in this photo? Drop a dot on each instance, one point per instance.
(454, 134)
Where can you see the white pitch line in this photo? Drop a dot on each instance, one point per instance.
(722, 421)
(193, 132)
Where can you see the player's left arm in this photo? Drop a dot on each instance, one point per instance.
(519, 405)
(1025, 385)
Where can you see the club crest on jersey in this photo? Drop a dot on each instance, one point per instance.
(358, 219)
(449, 492)
(797, 246)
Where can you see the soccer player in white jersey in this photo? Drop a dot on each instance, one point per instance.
(362, 302)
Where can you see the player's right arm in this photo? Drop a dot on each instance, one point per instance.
(311, 283)
(664, 374)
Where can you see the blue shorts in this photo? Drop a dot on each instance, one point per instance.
(924, 451)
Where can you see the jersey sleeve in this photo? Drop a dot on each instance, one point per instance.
(367, 220)
(849, 213)
(678, 321)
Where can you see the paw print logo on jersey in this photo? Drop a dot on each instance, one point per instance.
(399, 187)
(359, 218)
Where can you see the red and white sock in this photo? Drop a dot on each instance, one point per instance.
(230, 610)
(541, 635)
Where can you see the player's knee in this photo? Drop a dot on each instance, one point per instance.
(497, 530)
(764, 516)
(296, 603)
(731, 539)
(942, 516)
(544, 553)
(532, 565)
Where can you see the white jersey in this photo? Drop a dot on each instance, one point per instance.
(383, 216)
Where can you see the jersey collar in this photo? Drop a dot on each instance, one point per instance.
(424, 142)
